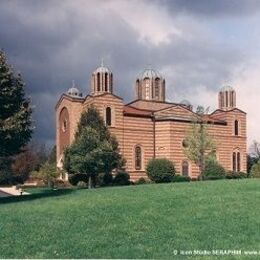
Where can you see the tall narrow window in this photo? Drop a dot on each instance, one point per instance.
(106, 81)
(147, 88)
(156, 88)
(138, 158)
(234, 161)
(98, 81)
(226, 99)
(238, 162)
(236, 127)
(185, 168)
(108, 116)
(111, 81)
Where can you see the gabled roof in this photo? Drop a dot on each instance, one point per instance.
(70, 98)
(108, 93)
(227, 111)
(132, 111)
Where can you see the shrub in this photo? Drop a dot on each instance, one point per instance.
(160, 170)
(75, 178)
(213, 171)
(121, 178)
(255, 170)
(236, 175)
(181, 178)
(143, 181)
(104, 179)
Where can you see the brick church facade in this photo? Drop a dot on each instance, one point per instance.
(149, 127)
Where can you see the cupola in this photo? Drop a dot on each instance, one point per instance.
(150, 85)
(227, 98)
(73, 91)
(102, 80)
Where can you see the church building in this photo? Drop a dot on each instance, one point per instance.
(149, 127)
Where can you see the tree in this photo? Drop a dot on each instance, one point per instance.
(198, 144)
(255, 170)
(15, 116)
(23, 164)
(254, 155)
(94, 150)
(15, 111)
(31, 158)
(48, 173)
(52, 155)
(255, 150)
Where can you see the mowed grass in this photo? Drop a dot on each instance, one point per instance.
(145, 221)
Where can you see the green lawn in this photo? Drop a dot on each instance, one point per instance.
(145, 221)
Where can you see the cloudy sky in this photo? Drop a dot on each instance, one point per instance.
(198, 46)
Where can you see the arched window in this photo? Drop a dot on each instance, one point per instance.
(234, 161)
(232, 99)
(98, 81)
(185, 168)
(147, 88)
(156, 88)
(236, 127)
(138, 158)
(108, 116)
(106, 81)
(226, 98)
(238, 161)
(111, 81)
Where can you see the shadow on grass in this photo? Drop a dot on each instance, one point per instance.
(34, 196)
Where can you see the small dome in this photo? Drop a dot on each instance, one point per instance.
(150, 73)
(73, 91)
(102, 69)
(185, 103)
(226, 88)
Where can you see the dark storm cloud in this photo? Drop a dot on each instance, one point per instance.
(55, 42)
(213, 7)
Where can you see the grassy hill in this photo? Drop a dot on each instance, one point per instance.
(146, 221)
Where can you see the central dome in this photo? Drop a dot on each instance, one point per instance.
(226, 88)
(102, 69)
(150, 85)
(150, 73)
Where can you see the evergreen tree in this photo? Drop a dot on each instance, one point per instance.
(15, 111)
(198, 144)
(94, 150)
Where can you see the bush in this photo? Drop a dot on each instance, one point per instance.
(121, 178)
(236, 175)
(213, 171)
(104, 179)
(143, 181)
(181, 178)
(255, 170)
(160, 170)
(75, 178)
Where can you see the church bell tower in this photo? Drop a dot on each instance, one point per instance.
(227, 98)
(101, 80)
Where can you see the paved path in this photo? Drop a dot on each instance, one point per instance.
(11, 191)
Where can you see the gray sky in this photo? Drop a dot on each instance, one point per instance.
(198, 46)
